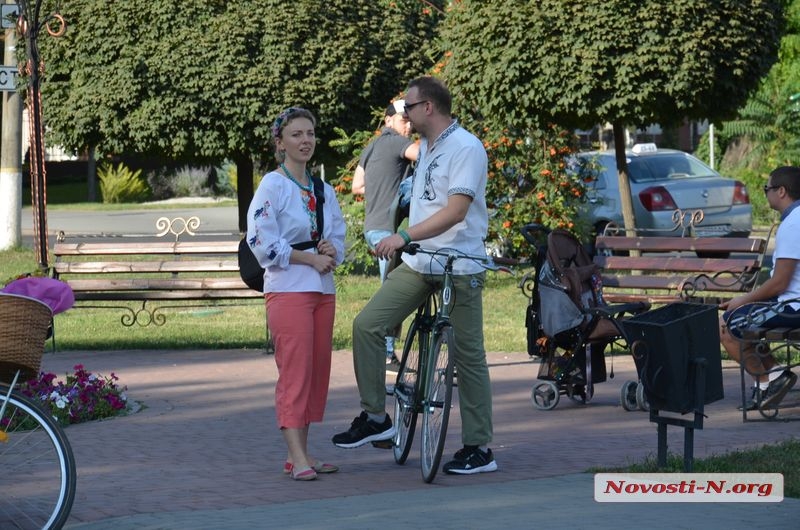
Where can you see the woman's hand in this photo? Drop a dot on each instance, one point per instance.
(324, 263)
(325, 248)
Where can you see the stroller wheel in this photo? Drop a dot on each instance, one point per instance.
(545, 395)
(577, 393)
(627, 395)
(641, 398)
(768, 412)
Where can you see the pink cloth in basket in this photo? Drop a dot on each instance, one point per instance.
(55, 293)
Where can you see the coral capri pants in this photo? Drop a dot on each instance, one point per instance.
(301, 327)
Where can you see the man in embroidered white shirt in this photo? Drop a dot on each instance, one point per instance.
(448, 210)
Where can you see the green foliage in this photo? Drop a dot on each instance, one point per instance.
(530, 182)
(234, 178)
(766, 132)
(226, 178)
(186, 181)
(524, 65)
(202, 81)
(12, 264)
(192, 182)
(359, 260)
(120, 184)
(763, 215)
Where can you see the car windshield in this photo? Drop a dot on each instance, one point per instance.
(663, 167)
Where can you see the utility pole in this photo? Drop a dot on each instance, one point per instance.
(10, 152)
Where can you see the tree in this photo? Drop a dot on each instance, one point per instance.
(523, 65)
(202, 80)
(765, 132)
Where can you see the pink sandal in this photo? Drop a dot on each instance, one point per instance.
(319, 467)
(305, 474)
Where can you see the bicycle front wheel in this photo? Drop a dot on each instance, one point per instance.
(436, 405)
(406, 391)
(37, 468)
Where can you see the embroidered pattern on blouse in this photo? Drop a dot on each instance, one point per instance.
(310, 204)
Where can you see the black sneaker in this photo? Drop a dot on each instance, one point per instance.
(462, 453)
(752, 402)
(468, 461)
(778, 388)
(363, 430)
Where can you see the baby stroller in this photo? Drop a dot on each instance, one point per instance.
(568, 323)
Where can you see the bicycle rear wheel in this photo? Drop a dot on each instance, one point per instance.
(37, 467)
(436, 405)
(406, 391)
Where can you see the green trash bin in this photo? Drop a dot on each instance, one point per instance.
(665, 343)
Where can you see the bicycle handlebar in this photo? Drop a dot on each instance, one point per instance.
(486, 261)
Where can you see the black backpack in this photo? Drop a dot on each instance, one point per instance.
(250, 269)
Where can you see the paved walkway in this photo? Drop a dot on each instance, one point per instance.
(204, 452)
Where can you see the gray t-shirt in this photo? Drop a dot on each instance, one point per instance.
(384, 167)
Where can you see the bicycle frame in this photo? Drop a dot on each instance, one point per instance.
(431, 374)
(432, 315)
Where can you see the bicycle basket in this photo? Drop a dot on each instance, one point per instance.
(24, 324)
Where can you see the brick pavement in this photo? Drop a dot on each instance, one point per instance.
(206, 440)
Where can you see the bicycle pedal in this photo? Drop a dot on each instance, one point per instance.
(382, 444)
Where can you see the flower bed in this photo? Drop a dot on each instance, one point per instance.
(83, 396)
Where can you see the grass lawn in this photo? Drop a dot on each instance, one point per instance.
(781, 458)
(243, 326)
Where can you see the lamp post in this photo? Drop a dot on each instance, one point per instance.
(29, 25)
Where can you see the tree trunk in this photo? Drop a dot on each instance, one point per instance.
(624, 184)
(91, 175)
(244, 188)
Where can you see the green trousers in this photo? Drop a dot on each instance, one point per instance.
(400, 295)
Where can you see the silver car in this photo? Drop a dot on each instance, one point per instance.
(663, 181)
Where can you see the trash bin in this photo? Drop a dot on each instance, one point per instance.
(665, 343)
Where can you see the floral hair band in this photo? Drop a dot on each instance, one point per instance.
(280, 121)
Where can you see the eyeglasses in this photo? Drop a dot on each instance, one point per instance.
(767, 188)
(409, 106)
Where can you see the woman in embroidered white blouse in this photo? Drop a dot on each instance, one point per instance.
(298, 284)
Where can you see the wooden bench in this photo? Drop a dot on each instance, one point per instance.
(663, 269)
(783, 344)
(148, 269)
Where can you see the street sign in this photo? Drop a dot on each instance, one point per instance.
(8, 78)
(6, 10)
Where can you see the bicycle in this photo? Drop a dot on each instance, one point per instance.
(37, 467)
(425, 377)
